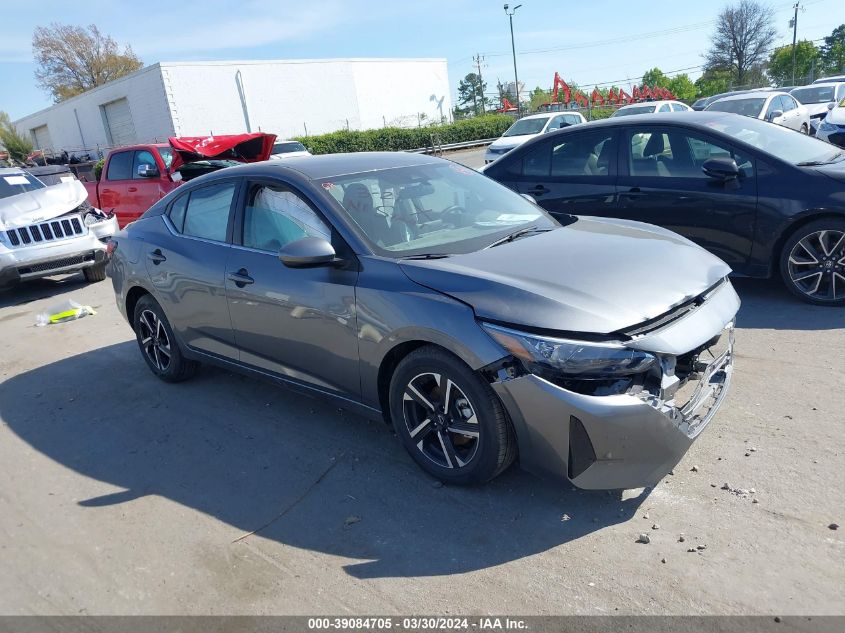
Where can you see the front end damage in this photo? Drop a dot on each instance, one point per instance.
(630, 431)
(50, 231)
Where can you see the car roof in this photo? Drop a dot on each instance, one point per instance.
(654, 103)
(692, 119)
(542, 115)
(753, 94)
(12, 170)
(329, 165)
(823, 84)
(832, 79)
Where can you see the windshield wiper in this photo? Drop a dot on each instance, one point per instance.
(427, 256)
(812, 163)
(517, 234)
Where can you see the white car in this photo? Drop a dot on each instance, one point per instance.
(831, 79)
(49, 230)
(832, 127)
(288, 149)
(773, 106)
(649, 107)
(527, 128)
(816, 98)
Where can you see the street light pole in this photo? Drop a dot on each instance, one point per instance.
(794, 26)
(513, 49)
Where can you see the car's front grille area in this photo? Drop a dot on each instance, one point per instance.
(50, 231)
(56, 264)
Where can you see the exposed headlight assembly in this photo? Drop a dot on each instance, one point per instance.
(595, 368)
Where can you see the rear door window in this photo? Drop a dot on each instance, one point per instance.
(207, 212)
(120, 166)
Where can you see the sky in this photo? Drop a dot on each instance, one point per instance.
(588, 42)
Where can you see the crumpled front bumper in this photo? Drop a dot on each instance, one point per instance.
(619, 441)
(56, 257)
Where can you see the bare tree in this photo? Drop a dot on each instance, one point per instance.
(744, 34)
(72, 59)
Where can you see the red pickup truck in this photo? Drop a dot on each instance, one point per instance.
(137, 176)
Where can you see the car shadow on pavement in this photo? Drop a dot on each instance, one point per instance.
(44, 288)
(298, 471)
(767, 304)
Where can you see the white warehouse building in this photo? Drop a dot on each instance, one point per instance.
(284, 97)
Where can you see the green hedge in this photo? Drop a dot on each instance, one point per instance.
(600, 113)
(396, 139)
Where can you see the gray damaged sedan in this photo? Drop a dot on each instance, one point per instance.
(416, 289)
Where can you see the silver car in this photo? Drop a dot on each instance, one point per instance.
(48, 230)
(413, 289)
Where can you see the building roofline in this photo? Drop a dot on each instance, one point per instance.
(330, 60)
(114, 82)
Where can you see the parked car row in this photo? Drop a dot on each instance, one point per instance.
(764, 199)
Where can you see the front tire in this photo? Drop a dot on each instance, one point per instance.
(157, 343)
(97, 272)
(812, 262)
(449, 419)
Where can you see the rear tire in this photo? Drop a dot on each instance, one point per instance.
(449, 419)
(812, 263)
(97, 272)
(157, 343)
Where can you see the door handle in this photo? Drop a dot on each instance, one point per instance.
(132, 189)
(241, 278)
(633, 192)
(156, 257)
(538, 190)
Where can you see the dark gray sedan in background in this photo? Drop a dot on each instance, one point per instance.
(416, 289)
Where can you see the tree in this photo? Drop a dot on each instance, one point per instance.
(471, 90)
(71, 59)
(833, 51)
(682, 87)
(744, 33)
(538, 98)
(18, 146)
(713, 81)
(780, 63)
(655, 77)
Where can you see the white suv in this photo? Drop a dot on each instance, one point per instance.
(49, 230)
(527, 128)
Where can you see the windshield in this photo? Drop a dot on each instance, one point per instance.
(745, 107)
(284, 148)
(811, 94)
(13, 184)
(787, 145)
(527, 126)
(433, 209)
(166, 154)
(644, 109)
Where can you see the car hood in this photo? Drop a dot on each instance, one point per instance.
(41, 204)
(594, 275)
(815, 109)
(836, 116)
(509, 142)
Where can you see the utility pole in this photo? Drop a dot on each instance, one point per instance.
(513, 49)
(478, 59)
(794, 26)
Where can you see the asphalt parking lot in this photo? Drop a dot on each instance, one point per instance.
(120, 494)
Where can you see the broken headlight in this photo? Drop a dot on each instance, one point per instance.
(594, 368)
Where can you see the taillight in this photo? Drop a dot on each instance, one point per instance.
(111, 247)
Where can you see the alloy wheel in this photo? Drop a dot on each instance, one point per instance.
(154, 340)
(817, 265)
(441, 420)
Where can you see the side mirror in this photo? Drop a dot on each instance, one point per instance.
(774, 114)
(308, 252)
(723, 169)
(147, 171)
(831, 105)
